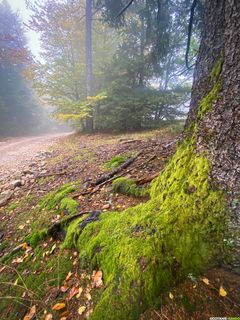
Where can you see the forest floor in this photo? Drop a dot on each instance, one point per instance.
(44, 281)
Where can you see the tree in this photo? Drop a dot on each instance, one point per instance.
(63, 78)
(19, 109)
(183, 229)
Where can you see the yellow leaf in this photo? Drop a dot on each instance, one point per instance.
(81, 310)
(79, 292)
(205, 280)
(21, 227)
(49, 317)
(171, 296)
(88, 296)
(194, 286)
(59, 306)
(222, 292)
(30, 314)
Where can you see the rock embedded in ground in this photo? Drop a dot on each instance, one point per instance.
(16, 183)
(4, 197)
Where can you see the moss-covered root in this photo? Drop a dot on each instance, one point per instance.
(143, 250)
(128, 186)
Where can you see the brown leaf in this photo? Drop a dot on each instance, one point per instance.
(49, 317)
(31, 313)
(73, 292)
(59, 306)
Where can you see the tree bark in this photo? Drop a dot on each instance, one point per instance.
(219, 131)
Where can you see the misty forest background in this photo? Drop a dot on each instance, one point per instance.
(96, 71)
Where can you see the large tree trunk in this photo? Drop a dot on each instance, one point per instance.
(219, 130)
(144, 250)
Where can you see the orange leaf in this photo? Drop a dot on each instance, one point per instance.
(97, 279)
(30, 314)
(59, 306)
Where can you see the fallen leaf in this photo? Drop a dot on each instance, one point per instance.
(49, 317)
(65, 314)
(222, 292)
(74, 290)
(31, 313)
(194, 286)
(97, 279)
(53, 248)
(80, 290)
(171, 296)
(205, 280)
(69, 275)
(64, 288)
(81, 310)
(59, 306)
(88, 296)
(21, 227)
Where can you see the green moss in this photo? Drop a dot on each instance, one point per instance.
(128, 186)
(54, 198)
(115, 162)
(69, 204)
(145, 250)
(217, 68)
(36, 237)
(206, 103)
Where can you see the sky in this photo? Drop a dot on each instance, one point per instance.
(32, 37)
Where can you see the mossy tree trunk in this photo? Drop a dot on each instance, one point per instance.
(219, 130)
(183, 228)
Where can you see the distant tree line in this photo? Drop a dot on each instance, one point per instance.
(19, 109)
(113, 76)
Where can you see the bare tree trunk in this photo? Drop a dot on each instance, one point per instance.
(89, 60)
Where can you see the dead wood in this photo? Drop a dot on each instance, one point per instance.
(112, 173)
(113, 178)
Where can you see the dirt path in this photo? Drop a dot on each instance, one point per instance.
(18, 152)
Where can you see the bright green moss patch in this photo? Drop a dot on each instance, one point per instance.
(54, 198)
(115, 162)
(143, 250)
(128, 186)
(70, 205)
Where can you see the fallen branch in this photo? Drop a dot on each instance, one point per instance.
(112, 178)
(130, 141)
(126, 164)
(146, 179)
(57, 226)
